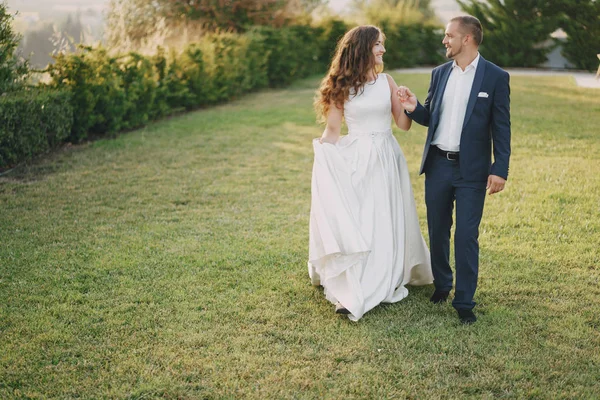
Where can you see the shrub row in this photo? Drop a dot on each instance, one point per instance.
(109, 93)
(32, 122)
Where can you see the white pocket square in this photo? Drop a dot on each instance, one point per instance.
(483, 94)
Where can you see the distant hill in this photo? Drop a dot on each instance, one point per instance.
(35, 14)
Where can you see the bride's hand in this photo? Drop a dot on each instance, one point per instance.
(326, 139)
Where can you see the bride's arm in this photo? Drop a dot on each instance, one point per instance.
(402, 121)
(334, 125)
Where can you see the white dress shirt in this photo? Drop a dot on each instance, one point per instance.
(454, 106)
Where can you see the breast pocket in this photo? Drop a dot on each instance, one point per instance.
(483, 104)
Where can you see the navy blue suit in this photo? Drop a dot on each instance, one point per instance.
(463, 181)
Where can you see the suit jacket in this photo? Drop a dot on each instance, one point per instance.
(487, 121)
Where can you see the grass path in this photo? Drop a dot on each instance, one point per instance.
(171, 262)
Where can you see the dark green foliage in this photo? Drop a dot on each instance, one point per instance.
(32, 122)
(299, 50)
(514, 31)
(332, 30)
(109, 92)
(161, 102)
(139, 84)
(235, 58)
(412, 45)
(291, 50)
(184, 79)
(257, 74)
(581, 22)
(95, 81)
(12, 70)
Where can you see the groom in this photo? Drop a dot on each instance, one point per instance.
(467, 111)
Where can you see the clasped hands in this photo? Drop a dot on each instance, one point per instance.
(407, 98)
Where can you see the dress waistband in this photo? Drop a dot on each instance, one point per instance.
(371, 134)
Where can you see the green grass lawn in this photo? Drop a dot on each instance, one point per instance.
(171, 262)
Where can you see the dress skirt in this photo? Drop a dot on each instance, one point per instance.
(365, 240)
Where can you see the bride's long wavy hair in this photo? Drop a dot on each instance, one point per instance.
(352, 66)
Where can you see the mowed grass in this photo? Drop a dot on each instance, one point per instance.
(170, 262)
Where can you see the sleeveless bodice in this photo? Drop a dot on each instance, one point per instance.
(370, 110)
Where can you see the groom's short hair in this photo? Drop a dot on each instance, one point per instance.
(472, 26)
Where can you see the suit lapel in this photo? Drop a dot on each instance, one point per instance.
(442, 87)
(477, 81)
(438, 99)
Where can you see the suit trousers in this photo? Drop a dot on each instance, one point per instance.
(444, 186)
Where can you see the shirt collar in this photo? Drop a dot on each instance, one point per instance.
(473, 64)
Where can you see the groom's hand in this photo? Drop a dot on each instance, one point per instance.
(495, 184)
(407, 98)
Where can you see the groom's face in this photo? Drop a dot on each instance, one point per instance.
(453, 40)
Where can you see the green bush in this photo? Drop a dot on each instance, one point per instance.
(412, 45)
(331, 31)
(98, 95)
(235, 64)
(172, 86)
(161, 102)
(32, 122)
(138, 78)
(257, 74)
(110, 93)
(218, 68)
(13, 72)
(293, 52)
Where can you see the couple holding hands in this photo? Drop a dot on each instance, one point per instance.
(365, 240)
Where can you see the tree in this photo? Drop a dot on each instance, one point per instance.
(581, 22)
(129, 22)
(134, 21)
(13, 70)
(515, 32)
(394, 12)
(230, 15)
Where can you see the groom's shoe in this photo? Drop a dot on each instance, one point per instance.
(439, 296)
(466, 317)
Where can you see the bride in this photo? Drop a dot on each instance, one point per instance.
(365, 240)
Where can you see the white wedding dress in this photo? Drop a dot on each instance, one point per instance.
(365, 239)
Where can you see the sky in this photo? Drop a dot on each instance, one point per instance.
(338, 5)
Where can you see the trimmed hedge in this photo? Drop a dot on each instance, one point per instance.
(100, 93)
(112, 93)
(33, 122)
(412, 45)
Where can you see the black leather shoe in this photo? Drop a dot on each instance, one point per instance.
(439, 297)
(466, 317)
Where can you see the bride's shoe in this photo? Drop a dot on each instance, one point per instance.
(340, 309)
